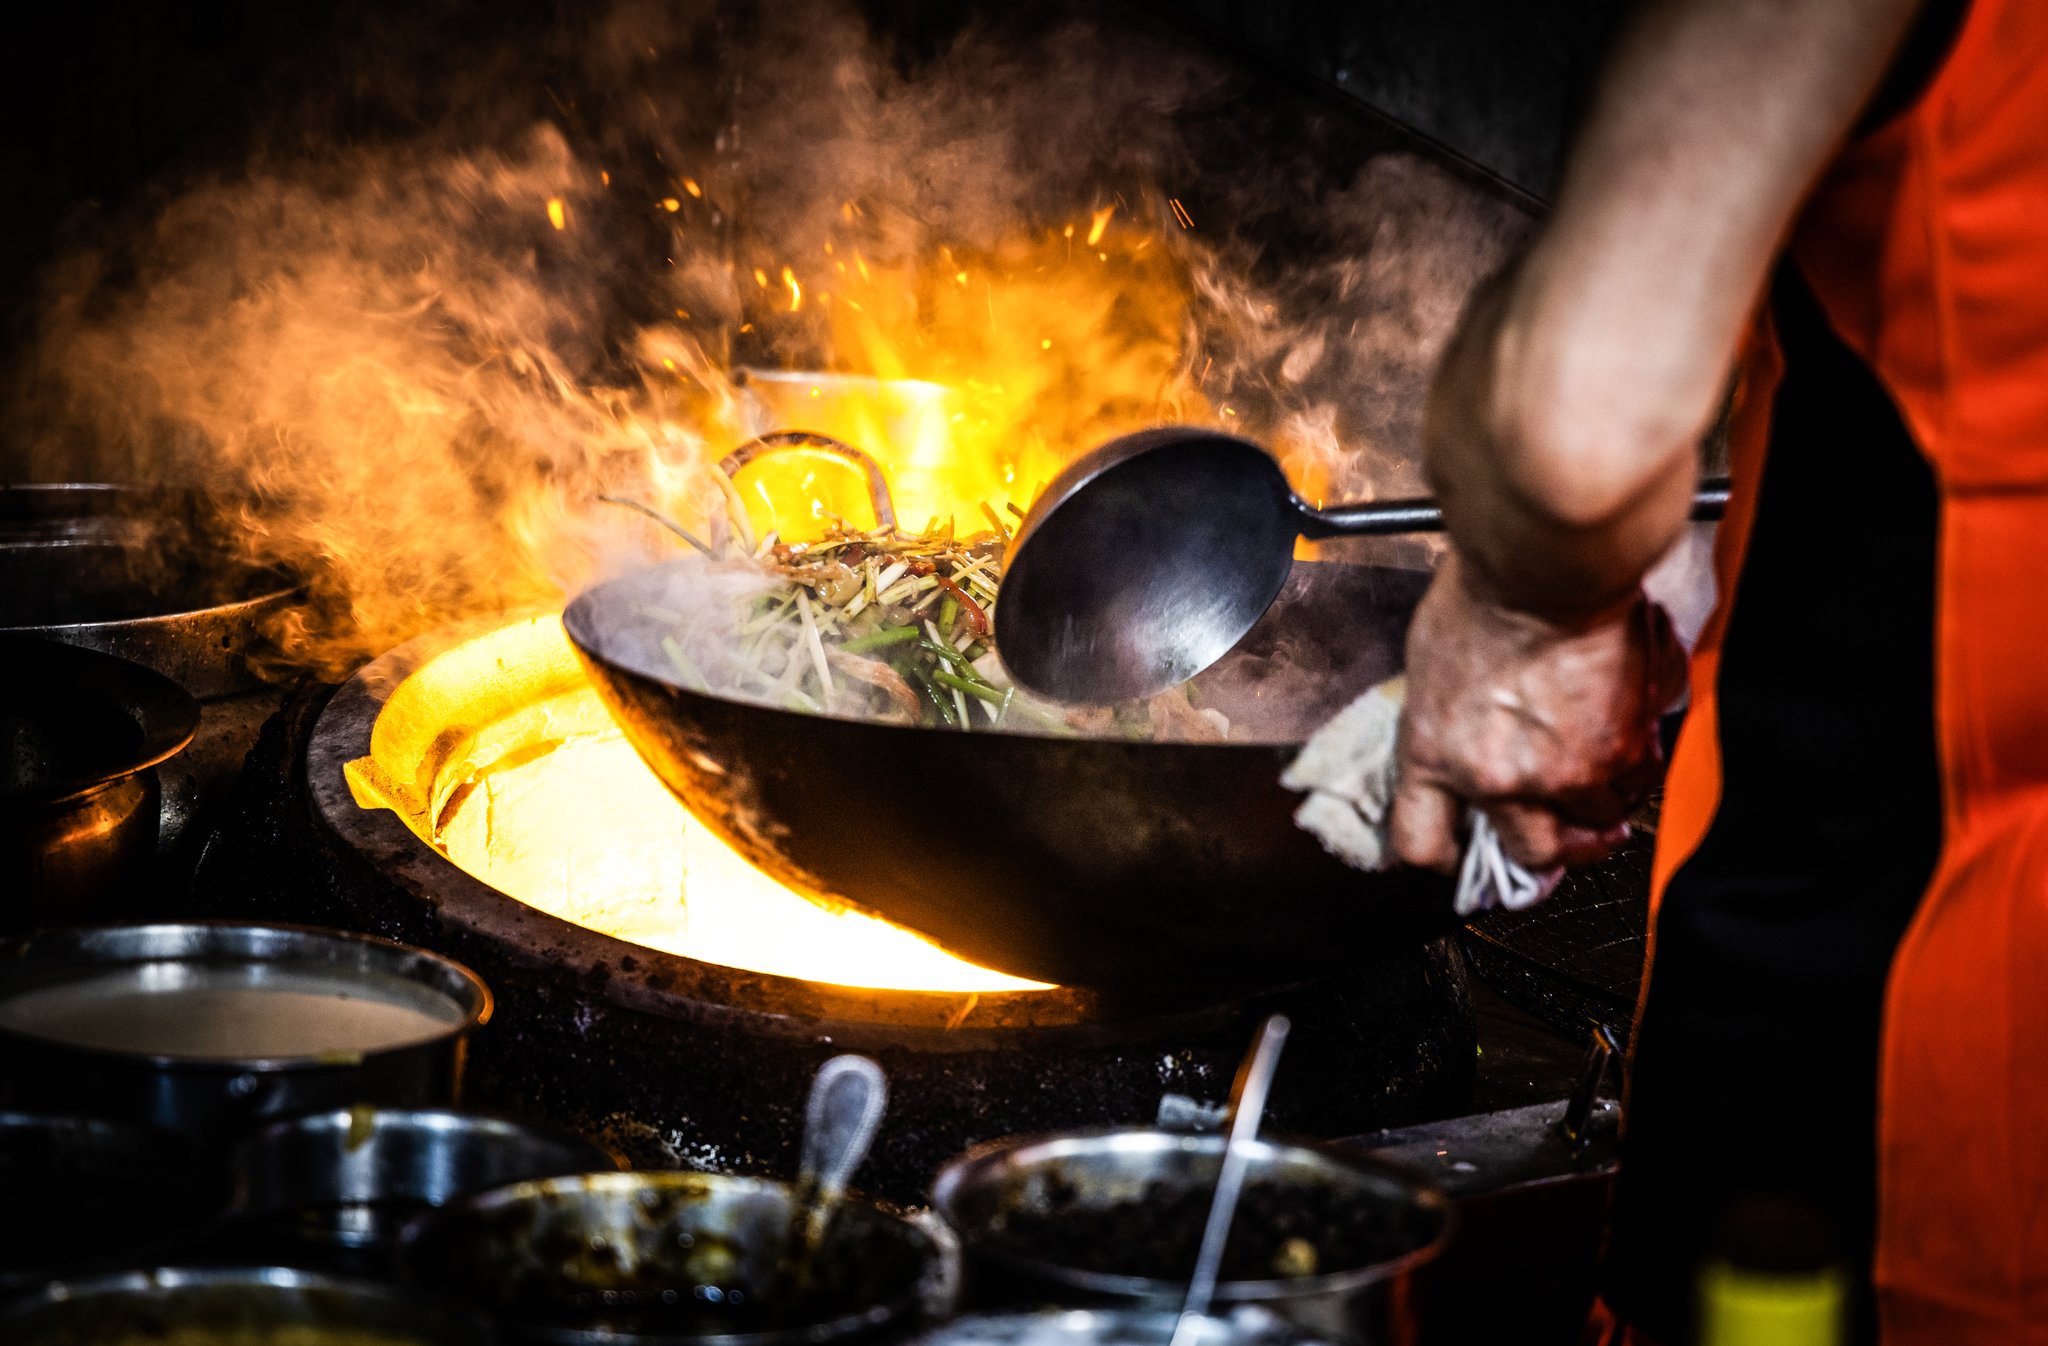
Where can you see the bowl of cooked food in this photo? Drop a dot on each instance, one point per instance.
(1325, 1238)
(660, 1259)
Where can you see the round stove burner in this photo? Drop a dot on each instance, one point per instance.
(673, 1059)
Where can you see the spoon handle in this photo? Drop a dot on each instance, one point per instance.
(1419, 514)
(1246, 1109)
(845, 1108)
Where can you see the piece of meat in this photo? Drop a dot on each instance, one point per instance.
(876, 674)
(1176, 720)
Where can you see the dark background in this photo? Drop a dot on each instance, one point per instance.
(108, 101)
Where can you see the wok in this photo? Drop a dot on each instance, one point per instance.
(1124, 866)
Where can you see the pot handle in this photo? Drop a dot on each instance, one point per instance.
(776, 441)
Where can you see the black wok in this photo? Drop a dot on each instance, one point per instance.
(1089, 862)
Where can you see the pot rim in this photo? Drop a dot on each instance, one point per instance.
(901, 1307)
(166, 714)
(475, 1009)
(958, 1173)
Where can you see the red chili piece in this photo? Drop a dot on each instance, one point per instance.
(975, 615)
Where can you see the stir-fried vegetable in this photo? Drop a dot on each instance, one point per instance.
(897, 626)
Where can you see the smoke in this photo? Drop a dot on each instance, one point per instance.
(409, 362)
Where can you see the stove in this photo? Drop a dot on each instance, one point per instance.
(655, 993)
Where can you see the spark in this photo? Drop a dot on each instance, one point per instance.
(760, 278)
(670, 204)
(1099, 224)
(796, 291)
(1046, 344)
(690, 186)
(558, 212)
(960, 276)
(1180, 212)
(604, 177)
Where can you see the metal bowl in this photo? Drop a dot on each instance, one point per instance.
(83, 1195)
(351, 1178)
(1087, 1173)
(232, 1306)
(1242, 1326)
(665, 1258)
(217, 1099)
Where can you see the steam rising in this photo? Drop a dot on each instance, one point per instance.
(411, 364)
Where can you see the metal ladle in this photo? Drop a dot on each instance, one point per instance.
(841, 1117)
(1247, 1106)
(1145, 561)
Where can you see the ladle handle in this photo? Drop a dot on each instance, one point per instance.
(1419, 514)
(1249, 1105)
(840, 1120)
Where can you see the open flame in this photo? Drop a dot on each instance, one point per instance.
(498, 754)
(415, 368)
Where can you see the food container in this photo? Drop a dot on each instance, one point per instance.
(259, 1306)
(79, 793)
(81, 1195)
(656, 1259)
(1326, 1239)
(337, 1187)
(209, 1027)
(1245, 1325)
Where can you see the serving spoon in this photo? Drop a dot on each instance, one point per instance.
(1247, 1107)
(841, 1117)
(1146, 560)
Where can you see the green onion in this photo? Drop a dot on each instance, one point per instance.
(968, 685)
(888, 635)
(949, 612)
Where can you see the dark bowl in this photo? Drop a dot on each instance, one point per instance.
(233, 1306)
(659, 1259)
(82, 1195)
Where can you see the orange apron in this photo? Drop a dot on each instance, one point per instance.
(1927, 246)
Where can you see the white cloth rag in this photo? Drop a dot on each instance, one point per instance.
(1347, 770)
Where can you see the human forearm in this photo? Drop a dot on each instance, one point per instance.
(1562, 429)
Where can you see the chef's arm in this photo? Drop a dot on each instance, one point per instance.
(1563, 426)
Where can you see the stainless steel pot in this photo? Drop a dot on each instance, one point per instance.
(154, 576)
(1148, 1174)
(234, 1304)
(339, 1186)
(1242, 1326)
(217, 1100)
(662, 1259)
(82, 1195)
(78, 790)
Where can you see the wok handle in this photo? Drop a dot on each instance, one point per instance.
(761, 446)
(1419, 514)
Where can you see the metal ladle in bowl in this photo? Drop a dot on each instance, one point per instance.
(1247, 1106)
(845, 1109)
(1145, 561)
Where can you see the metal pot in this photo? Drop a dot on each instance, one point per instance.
(1166, 1176)
(660, 1259)
(234, 1304)
(154, 576)
(217, 1098)
(1243, 1326)
(341, 1185)
(84, 1195)
(78, 795)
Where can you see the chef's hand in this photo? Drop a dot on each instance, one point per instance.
(1551, 731)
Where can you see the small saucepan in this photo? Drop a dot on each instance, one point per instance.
(336, 1188)
(210, 1027)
